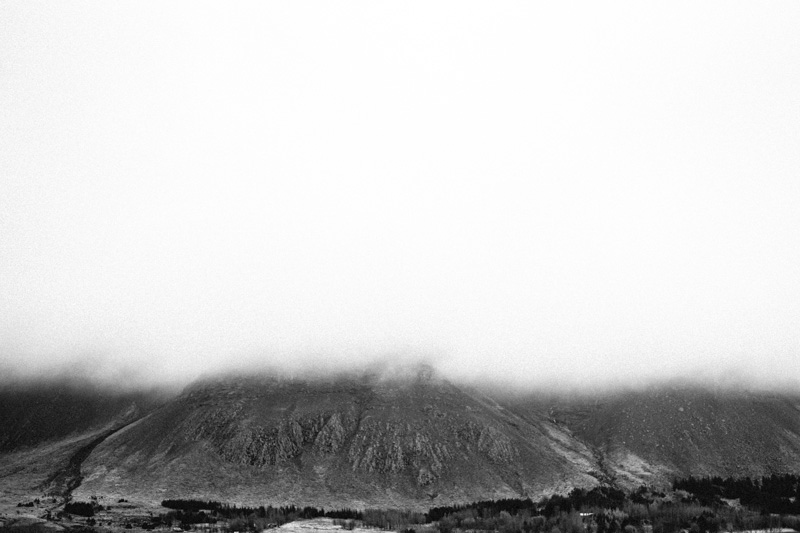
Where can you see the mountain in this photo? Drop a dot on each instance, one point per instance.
(365, 441)
(653, 436)
(34, 413)
(48, 428)
(412, 440)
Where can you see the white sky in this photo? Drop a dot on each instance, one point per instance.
(539, 192)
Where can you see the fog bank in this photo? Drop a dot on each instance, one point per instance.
(529, 196)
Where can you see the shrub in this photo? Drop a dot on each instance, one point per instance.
(79, 508)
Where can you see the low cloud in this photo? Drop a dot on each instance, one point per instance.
(513, 195)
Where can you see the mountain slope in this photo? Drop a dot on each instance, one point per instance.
(654, 436)
(47, 429)
(31, 414)
(368, 441)
(351, 441)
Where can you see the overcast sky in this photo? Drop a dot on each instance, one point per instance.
(545, 193)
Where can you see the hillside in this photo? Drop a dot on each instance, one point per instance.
(655, 435)
(48, 428)
(365, 440)
(362, 441)
(39, 412)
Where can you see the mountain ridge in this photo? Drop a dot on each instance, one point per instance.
(390, 440)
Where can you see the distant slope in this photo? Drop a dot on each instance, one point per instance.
(656, 435)
(366, 441)
(356, 441)
(48, 428)
(38, 412)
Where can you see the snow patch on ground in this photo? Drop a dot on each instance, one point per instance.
(314, 524)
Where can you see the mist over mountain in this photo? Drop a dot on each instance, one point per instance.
(380, 438)
(369, 254)
(532, 195)
(369, 440)
(50, 410)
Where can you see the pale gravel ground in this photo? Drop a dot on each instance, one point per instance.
(316, 524)
(326, 525)
(776, 530)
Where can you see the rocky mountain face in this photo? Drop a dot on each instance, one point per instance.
(366, 441)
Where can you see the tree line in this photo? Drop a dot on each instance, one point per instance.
(189, 512)
(775, 494)
(696, 505)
